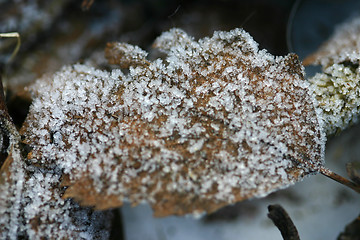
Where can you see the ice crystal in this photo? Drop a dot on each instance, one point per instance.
(31, 203)
(343, 46)
(31, 206)
(337, 93)
(216, 122)
(337, 88)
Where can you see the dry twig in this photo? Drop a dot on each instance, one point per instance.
(12, 35)
(283, 222)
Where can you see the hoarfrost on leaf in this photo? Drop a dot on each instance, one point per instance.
(31, 205)
(343, 46)
(337, 87)
(216, 122)
(125, 54)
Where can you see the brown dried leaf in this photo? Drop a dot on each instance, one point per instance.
(218, 122)
(31, 206)
(85, 193)
(5, 170)
(125, 55)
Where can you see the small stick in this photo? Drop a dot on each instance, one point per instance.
(12, 35)
(330, 174)
(283, 222)
(86, 4)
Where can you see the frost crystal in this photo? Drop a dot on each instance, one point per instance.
(216, 122)
(343, 46)
(337, 88)
(31, 203)
(31, 206)
(338, 95)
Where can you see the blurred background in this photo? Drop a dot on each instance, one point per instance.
(60, 32)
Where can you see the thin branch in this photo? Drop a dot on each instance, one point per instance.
(330, 174)
(283, 222)
(86, 4)
(12, 35)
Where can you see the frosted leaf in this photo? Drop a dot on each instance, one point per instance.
(337, 87)
(172, 38)
(125, 55)
(218, 121)
(343, 46)
(31, 206)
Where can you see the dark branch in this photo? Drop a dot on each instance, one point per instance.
(283, 222)
(4, 132)
(8, 131)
